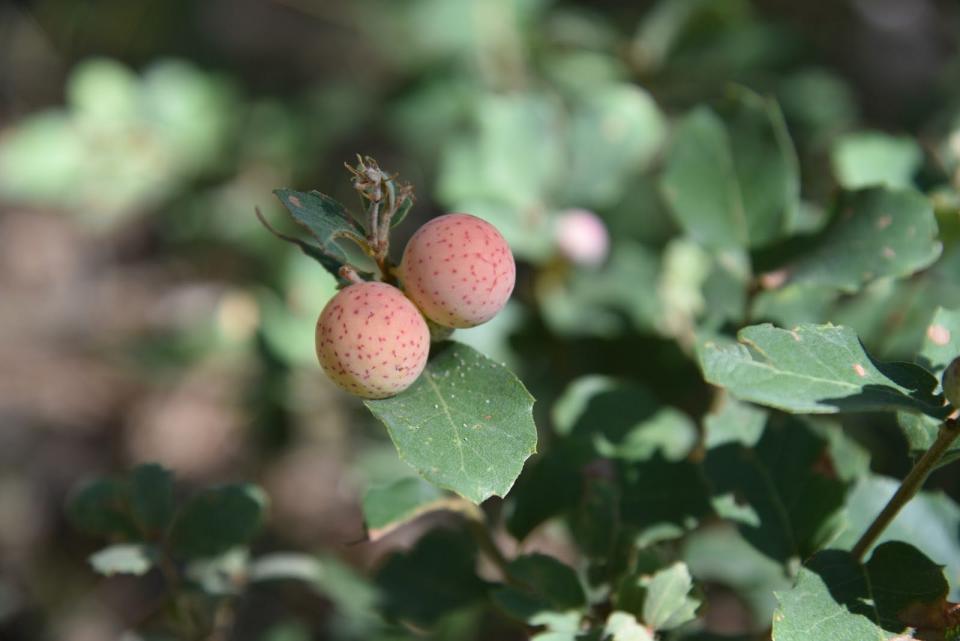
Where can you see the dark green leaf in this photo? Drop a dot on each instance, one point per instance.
(151, 496)
(551, 484)
(596, 525)
(780, 490)
(839, 599)
(124, 558)
(814, 369)
(541, 583)
(734, 182)
(431, 580)
(658, 492)
(466, 424)
(102, 508)
(218, 519)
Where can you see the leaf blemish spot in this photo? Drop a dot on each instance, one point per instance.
(858, 368)
(889, 253)
(295, 201)
(884, 221)
(938, 334)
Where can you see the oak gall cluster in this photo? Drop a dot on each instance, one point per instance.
(372, 338)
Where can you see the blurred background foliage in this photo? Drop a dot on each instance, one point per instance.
(148, 317)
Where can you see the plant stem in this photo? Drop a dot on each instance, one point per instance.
(949, 431)
(185, 622)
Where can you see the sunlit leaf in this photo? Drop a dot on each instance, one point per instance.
(466, 424)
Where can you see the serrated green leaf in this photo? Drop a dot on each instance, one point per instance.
(839, 599)
(868, 158)
(434, 578)
(540, 583)
(794, 502)
(151, 496)
(102, 508)
(124, 559)
(814, 369)
(667, 604)
(623, 626)
(218, 519)
(734, 182)
(387, 507)
(466, 424)
(328, 222)
(878, 232)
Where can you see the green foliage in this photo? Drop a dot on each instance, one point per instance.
(387, 507)
(124, 558)
(216, 520)
(818, 369)
(539, 583)
(465, 425)
(870, 158)
(733, 182)
(773, 256)
(838, 598)
(434, 578)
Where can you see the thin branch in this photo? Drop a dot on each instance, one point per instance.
(949, 431)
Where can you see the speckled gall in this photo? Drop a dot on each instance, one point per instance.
(371, 340)
(458, 270)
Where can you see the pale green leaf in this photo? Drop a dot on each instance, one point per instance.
(124, 559)
(733, 182)
(667, 604)
(387, 507)
(868, 158)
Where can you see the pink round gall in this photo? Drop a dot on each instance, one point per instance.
(458, 270)
(371, 340)
(582, 237)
